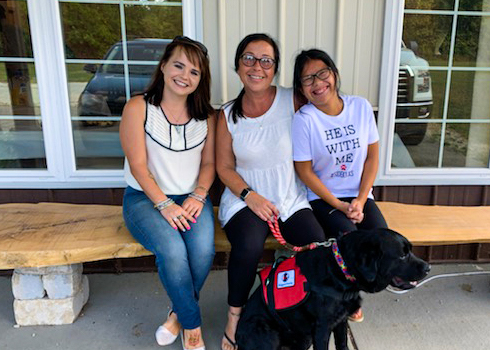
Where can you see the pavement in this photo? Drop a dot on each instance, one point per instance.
(124, 310)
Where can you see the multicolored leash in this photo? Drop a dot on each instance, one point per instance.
(274, 226)
(332, 242)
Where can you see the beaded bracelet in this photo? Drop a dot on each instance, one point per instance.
(164, 204)
(198, 197)
(202, 188)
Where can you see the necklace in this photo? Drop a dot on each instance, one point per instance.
(260, 123)
(176, 121)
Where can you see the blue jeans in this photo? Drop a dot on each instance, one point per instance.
(183, 259)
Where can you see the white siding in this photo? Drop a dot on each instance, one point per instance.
(350, 31)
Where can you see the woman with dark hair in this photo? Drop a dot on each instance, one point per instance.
(254, 161)
(167, 135)
(335, 146)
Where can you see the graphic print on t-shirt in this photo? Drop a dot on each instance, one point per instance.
(341, 142)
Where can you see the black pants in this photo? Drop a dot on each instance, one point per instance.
(247, 233)
(335, 222)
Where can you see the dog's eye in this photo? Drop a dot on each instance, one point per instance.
(404, 257)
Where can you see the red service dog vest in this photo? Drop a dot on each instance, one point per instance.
(289, 285)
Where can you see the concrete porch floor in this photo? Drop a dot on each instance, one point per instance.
(124, 310)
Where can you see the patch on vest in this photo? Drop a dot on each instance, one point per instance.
(286, 284)
(285, 279)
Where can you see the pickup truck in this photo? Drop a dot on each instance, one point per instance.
(414, 100)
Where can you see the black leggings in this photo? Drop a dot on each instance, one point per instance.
(335, 222)
(247, 233)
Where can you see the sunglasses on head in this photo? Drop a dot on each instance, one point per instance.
(187, 40)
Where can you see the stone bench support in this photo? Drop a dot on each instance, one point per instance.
(51, 295)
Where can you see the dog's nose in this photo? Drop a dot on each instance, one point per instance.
(426, 268)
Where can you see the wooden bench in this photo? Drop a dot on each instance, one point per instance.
(47, 234)
(49, 240)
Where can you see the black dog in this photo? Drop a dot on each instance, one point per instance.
(376, 258)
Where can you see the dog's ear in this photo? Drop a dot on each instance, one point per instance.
(368, 264)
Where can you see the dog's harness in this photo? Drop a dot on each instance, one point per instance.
(284, 287)
(332, 242)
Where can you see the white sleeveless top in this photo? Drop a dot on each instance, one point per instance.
(264, 159)
(173, 152)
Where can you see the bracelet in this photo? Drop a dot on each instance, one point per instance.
(202, 188)
(197, 197)
(164, 204)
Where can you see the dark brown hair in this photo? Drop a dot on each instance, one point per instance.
(237, 109)
(198, 104)
(299, 64)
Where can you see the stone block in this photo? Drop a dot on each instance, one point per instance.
(25, 287)
(85, 289)
(61, 286)
(51, 311)
(60, 269)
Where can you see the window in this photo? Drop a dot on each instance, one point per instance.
(437, 122)
(21, 137)
(111, 51)
(67, 67)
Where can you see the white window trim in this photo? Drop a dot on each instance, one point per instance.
(392, 36)
(47, 45)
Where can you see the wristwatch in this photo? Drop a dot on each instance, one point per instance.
(245, 193)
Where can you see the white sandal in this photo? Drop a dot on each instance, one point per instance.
(163, 335)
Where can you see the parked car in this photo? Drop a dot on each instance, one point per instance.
(414, 95)
(105, 92)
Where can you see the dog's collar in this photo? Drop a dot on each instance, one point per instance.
(340, 261)
(332, 242)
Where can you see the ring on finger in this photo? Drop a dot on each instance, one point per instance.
(179, 217)
(175, 218)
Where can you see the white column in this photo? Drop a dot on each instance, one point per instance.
(479, 135)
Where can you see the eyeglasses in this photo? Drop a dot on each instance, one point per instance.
(194, 43)
(323, 75)
(249, 61)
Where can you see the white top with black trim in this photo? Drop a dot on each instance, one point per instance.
(173, 152)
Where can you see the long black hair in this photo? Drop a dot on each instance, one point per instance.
(237, 109)
(198, 105)
(299, 64)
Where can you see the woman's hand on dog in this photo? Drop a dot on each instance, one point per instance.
(262, 207)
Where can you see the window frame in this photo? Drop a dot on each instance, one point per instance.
(48, 51)
(392, 36)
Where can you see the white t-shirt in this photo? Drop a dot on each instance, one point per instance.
(264, 159)
(336, 145)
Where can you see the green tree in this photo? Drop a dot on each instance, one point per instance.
(91, 29)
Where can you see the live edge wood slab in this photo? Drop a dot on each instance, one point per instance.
(47, 234)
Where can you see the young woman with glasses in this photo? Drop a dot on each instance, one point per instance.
(167, 135)
(254, 161)
(335, 146)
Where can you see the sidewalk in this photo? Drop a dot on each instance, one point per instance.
(124, 310)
